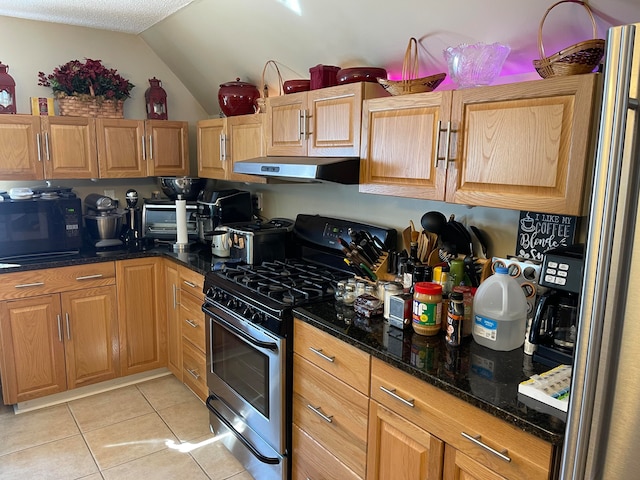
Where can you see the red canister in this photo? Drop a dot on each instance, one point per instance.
(238, 98)
(323, 76)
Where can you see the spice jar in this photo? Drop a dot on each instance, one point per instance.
(349, 294)
(427, 308)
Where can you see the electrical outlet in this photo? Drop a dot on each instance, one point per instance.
(110, 193)
(257, 201)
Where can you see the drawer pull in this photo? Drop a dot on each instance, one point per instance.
(189, 284)
(393, 393)
(476, 439)
(27, 285)
(194, 373)
(89, 277)
(191, 323)
(316, 410)
(319, 352)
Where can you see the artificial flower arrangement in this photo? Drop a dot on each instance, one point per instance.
(88, 82)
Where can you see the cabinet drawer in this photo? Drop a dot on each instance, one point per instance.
(448, 418)
(194, 370)
(191, 281)
(331, 412)
(55, 280)
(192, 321)
(312, 461)
(332, 355)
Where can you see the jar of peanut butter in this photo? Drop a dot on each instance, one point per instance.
(427, 308)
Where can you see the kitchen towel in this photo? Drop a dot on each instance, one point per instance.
(181, 222)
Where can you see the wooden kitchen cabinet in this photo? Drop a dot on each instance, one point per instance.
(326, 408)
(398, 449)
(522, 145)
(322, 122)
(141, 313)
(224, 141)
(192, 329)
(174, 334)
(142, 148)
(452, 420)
(56, 147)
(459, 466)
(58, 330)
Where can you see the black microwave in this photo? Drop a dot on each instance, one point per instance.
(39, 227)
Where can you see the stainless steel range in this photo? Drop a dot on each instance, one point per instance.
(249, 340)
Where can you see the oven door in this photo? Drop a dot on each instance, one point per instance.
(247, 373)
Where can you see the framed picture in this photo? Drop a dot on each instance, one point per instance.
(42, 106)
(539, 232)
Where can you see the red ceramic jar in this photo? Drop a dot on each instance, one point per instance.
(238, 98)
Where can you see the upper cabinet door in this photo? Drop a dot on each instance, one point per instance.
(287, 125)
(20, 153)
(211, 135)
(400, 136)
(69, 147)
(523, 145)
(120, 148)
(168, 148)
(244, 140)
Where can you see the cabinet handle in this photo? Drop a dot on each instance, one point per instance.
(446, 146)
(393, 393)
(307, 124)
(476, 439)
(316, 410)
(46, 145)
(436, 156)
(150, 147)
(300, 127)
(39, 147)
(59, 328)
(189, 284)
(319, 352)
(175, 296)
(89, 277)
(27, 285)
(144, 148)
(194, 373)
(192, 323)
(66, 316)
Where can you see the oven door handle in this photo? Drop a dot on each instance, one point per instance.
(240, 333)
(238, 435)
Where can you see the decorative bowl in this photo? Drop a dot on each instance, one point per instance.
(294, 86)
(188, 187)
(477, 64)
(360, 74)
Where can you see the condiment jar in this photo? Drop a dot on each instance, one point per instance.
(427, 308)
(455, 315)
(349, 294)
(340, 291)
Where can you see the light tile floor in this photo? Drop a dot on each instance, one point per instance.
(153, 430)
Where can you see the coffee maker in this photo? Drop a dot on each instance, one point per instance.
(555, 323)
(217, 208)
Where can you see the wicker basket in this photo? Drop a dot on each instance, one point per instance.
(409, 82)
(89, 106)
(577, 59)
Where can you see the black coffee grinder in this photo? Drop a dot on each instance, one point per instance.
(555, 323)
(131, 236)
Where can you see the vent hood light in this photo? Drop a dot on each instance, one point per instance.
(345, 170)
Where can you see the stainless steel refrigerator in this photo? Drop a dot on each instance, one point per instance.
(603, 423)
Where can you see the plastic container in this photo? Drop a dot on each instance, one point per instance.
(499, 312)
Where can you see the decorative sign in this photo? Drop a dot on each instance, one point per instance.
(539, 232)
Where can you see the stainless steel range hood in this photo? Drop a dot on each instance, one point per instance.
(344, 170)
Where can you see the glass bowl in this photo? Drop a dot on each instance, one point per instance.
(475, 65)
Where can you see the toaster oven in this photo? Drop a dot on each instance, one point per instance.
(159, 220)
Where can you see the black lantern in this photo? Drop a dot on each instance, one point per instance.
(7, 91)
(156, 99)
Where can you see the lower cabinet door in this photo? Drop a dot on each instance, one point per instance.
(310, 461)
(32, 348)
(399, 450)
(194, 370)
(458, 466)
(91, 335)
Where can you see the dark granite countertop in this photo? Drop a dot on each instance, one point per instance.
(482, 377)
(198, 258)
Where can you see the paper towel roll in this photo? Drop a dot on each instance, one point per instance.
(181, 222)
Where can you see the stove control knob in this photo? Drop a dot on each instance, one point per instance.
(231, 303)
(247, 312)
(257, 317)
